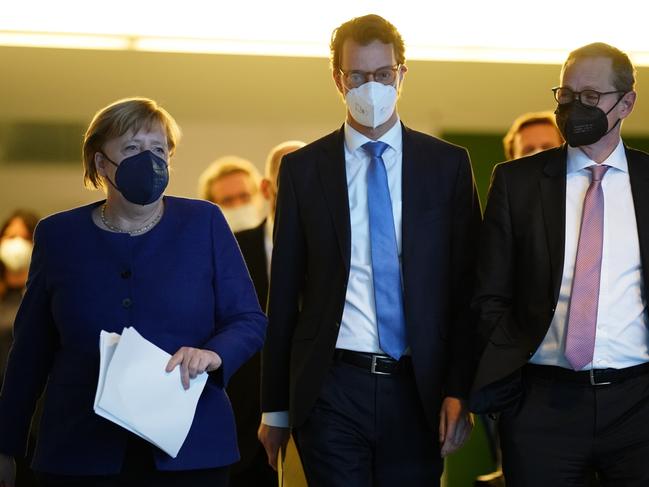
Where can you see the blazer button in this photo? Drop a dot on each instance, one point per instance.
(125, 274)
(127, 303)
(336, 325)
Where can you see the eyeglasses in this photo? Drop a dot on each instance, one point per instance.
(587, 97)
(355, 78)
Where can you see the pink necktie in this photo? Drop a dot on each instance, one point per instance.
(582, 315)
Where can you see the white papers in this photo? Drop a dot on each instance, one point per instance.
(135, 392)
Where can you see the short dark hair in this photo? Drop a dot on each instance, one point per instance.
(623, 70)
(364, 30)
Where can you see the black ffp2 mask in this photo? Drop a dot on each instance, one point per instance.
(582, 124)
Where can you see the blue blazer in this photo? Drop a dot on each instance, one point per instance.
(183, 283)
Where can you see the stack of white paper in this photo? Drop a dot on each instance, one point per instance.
(135, 392)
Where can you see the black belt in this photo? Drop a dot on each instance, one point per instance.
(594, 377)
(373, 363)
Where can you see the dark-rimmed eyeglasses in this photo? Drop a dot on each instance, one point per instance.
(385, 75)
(591, 98)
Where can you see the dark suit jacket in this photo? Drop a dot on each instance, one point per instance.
(311, 258)
(244, 385)
(521, 264)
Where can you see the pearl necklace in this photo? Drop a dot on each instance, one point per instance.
(154, 220)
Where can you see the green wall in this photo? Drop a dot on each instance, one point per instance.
(486, 150)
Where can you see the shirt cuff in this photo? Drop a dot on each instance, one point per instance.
(278, 419)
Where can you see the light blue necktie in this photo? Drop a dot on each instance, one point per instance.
(388, 293)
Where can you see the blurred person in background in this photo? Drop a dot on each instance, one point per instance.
(16, 242)
(170, 267)
(233, 183)
(256, 246)
(530, 133)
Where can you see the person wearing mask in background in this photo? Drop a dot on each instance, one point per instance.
(16, 243)
(233, 183)
(168, 266)
(561, 288)
(368, 354)
(256, 245)
(531, 133)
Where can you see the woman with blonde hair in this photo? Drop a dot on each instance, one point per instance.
(167, 266)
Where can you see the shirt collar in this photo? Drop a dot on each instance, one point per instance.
(577, 160)
(354, 139)
(268, 227)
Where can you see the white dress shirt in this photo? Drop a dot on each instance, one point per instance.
(268, 242)
(358, 327)
(622, 336)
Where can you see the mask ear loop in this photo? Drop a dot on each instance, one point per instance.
(114, 164)
(619, 119)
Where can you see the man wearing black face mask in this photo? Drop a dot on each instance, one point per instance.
(561, 279)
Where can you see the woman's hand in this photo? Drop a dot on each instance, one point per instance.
(193, 361)
(7, 471)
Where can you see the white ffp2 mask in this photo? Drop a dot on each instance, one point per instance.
(372, 103)
(16, 253)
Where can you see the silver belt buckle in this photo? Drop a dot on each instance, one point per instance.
(373, 367)
(592, 379)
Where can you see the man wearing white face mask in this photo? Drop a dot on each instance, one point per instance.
(368, 354)
(233, 183)
(256, 246)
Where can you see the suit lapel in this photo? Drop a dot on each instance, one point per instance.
(262, 264)
(553, 200)
(639, 178)
(331, 166)
(409, 181)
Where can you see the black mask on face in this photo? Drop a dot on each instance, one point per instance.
(141, 178)
(582, 124)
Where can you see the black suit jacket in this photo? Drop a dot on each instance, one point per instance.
(253, 248)
(520, 264)
(311, 258)
(244, 385)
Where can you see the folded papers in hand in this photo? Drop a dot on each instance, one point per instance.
(135, 392)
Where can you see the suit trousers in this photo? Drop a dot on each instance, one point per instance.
(368, 430)
(562, 432)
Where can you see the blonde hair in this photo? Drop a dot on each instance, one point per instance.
(275, 157)
(118, 118)
(525, 120)
(225, 166)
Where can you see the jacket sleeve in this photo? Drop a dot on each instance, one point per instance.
(32, 353)
(286, 282)
(495, 267)
(240, 323)
(464, 235)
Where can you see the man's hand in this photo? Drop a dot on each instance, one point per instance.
(7, 471)
(193, 361)
(455, 425)
(273, 438)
